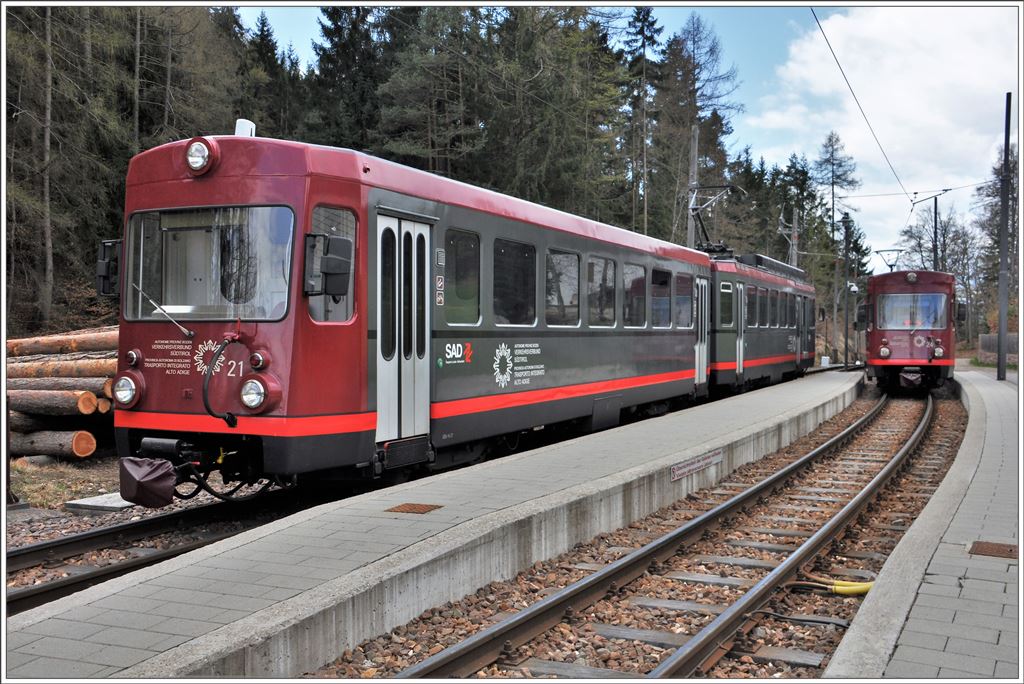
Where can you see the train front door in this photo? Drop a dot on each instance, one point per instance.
(403, 329)
(702, 321)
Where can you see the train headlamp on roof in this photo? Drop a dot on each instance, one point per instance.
(911, 277)
(201, 155)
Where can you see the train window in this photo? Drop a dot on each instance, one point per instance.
(515, 283)
(220, 263)
(773, 308)
(661, 299)
(725, 306)
(388, 278)
(634, 303)
(421, 297)
(751, 306)
(407, 295)
(684, 300)
(925, 311)
(562, 290)
(342, 222)
(790, 310)
(462, 275)
(762, 306)
(600, 292)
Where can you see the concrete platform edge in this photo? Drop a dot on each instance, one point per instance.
(868, 645)
(313, 628)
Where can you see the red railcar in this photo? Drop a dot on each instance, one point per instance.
(298, 311)
(910, 318)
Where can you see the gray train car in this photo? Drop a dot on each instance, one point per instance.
(762, 321)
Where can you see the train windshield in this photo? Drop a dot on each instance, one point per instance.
(210, 263)
(911, 311)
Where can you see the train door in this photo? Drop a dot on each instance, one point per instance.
(403, 329)
(799, 308)
(741, 326)
(700, 347)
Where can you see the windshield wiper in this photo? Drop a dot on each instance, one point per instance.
(188, 333)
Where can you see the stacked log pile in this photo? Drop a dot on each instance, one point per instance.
(59, 393)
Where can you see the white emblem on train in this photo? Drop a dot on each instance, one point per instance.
(502, 365)
(207, 347)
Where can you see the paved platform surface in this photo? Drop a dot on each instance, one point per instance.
(936, 610)
(290, 596)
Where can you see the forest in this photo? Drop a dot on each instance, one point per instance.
(587, 110)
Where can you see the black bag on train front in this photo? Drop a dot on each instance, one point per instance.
(147, 482)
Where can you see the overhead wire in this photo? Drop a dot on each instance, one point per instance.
(855, 99)
(920, 192)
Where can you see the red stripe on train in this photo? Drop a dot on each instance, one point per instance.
(272, 426)
(924, 363)
(495, 402)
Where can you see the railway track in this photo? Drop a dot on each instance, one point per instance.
(194, 521)
(752, 544)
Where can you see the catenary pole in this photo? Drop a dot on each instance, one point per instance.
(1004, 217)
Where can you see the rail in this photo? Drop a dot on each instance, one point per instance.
(486, 646)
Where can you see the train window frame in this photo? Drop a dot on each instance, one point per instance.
(593, 259)
(675, 297)
(579, 295)
(453, 284)
(726, 286)
(130, 257)
(667, 324)
(532, 300)
(351, 296)
(762, 307)
(626, 265)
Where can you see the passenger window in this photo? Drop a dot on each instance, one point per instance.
(634, 303)
(340, 222)
(751, 306)
(563, 289)
(462, 277)
(773, 304)
(725, 306)
(661, 299)
(601, 292)
(762, 306)
(684, 300)
(792, 310)
(515, 283)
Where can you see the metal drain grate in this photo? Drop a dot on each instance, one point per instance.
(413, 508)
(984, 548)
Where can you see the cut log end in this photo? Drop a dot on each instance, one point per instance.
(103, 405)
(87, 403)
(77, 444)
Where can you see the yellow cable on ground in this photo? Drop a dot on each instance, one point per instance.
(852, 590)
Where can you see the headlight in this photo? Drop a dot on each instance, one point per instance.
(198, 155)
(939, 351)
(884, 352)
(253, 393)
(124, 390)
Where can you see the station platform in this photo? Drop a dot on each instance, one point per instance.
(289, 597)
(937, 610)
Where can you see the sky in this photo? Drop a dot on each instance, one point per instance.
(932, 81)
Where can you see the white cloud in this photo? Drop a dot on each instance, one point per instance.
(932, 81)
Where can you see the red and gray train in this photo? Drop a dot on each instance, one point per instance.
(292, 311)
(910, 319)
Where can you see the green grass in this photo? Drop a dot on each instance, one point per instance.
(975, 361)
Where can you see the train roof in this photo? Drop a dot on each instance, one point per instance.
(247, 156)
(920, 276)
(764, 269)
